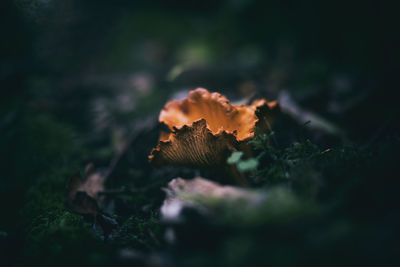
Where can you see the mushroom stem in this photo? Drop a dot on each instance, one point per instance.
(234, 175)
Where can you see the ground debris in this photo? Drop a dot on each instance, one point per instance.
(84, 198)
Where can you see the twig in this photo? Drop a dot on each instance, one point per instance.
(139, 127)
(303, 116)
(153, 236)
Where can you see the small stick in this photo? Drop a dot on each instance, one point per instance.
(140, 126)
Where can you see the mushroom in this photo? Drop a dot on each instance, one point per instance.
(206, 128)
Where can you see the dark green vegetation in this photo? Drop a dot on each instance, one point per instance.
(79, 78)
(324, 208)
(327, 206)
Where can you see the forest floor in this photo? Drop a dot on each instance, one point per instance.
(328, 171)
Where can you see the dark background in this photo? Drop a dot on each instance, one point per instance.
(94, 69)
(61, 51)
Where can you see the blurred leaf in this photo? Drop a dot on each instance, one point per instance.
(248, 165)
(235, 157)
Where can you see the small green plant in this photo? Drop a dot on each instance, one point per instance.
(243, 165)
(272, 165)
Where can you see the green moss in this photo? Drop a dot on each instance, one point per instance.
(53, 235)
(48, 154)
(59, 238)
(141, 233)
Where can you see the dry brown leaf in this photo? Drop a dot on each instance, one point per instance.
(83, 194)
(83, 197)
(183, 193)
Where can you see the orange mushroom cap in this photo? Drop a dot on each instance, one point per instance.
(206, 128)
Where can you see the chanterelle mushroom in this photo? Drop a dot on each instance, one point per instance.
(206, 128)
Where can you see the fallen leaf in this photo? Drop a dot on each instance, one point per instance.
(84, 198)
